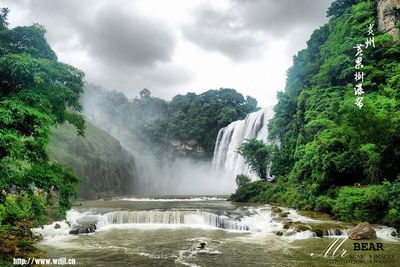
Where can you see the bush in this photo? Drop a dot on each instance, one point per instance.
(324, 204)
(273, 193)
(393, 215)
(241, 180)
(362, 204)
(24, 206)
(2, 212)
(14, 212)
(249, 192)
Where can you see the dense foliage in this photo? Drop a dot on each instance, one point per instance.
(330, 154)
(156, 121)
(36, 92)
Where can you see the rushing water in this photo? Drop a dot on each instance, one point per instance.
(229, 139)
(189, 232)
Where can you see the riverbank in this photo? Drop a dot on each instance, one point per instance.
(373, 203)
(18, 242)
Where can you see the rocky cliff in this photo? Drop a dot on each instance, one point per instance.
(106, 169)
(389, 17)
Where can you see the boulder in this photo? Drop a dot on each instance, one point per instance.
(202, 245)
(57, 226)
(361, 231)
(279, 233)
(296, 226)
(284, 214)
(395, 233)
(276, 209)
(83, 229)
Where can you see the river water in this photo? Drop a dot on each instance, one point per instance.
(197, 231)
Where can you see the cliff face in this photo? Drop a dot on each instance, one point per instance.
(191, 147)
(106, 169)
(389, 16)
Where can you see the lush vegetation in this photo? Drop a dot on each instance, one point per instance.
(330, 155)
(156, 121)
(37, 92)
(257, 155)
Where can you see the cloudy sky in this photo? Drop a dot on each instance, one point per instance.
(177, 46)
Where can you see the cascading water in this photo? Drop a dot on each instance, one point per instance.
(229, 139)
(183, 217)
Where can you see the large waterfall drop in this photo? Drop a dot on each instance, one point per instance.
(226, 156)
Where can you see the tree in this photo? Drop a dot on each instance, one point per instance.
(338, 7)
(145, 93)
(37, 92)
(257, 155)
(3, 18)
(371, 162)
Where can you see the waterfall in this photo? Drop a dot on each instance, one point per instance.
(229, 139)
(181, 217)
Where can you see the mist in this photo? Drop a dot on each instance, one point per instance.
(181, 176)
(160, 169)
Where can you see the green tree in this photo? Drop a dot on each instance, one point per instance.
(257, 155)
(37, 92)
(3, 18)
(338, 7)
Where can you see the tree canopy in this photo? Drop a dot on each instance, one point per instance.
(156, 121)
(37, 92)
(257, 155)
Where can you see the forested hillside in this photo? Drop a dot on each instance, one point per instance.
(330, 155)
(157, 122)
(104, 167)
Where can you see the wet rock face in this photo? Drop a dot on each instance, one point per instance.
(296, 226)
(388, 16)
(396, 233)
(202, 245)
(83, 229)
(279, 233)
(362, 231)
(276, 209)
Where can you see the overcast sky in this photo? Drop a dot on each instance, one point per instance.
(177, 46)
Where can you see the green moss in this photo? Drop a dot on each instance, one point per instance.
(284, 214)
(298, 226)
(315, 214)
(320, 228)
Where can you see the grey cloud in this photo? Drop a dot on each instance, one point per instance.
(119, 37)
(222, 32)
(108, 30)
(236, 32)
(127, 51)
(284, 16)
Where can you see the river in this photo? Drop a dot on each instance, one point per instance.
(196, 231)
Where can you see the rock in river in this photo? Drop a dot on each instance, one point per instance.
(362, 231)
(83, 229)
